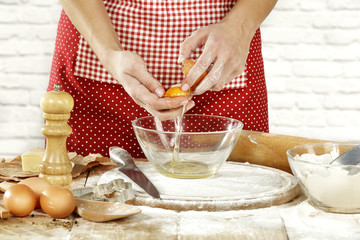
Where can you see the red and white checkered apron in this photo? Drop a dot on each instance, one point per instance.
(154, 29)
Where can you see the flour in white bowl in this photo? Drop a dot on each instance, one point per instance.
(332, 186)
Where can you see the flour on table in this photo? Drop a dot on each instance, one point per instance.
(242, 181)
(235, 186)
(294, 220)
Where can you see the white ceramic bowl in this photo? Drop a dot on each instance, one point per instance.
(332, 188)
(204, 144)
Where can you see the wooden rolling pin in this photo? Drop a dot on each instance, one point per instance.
(267, 149)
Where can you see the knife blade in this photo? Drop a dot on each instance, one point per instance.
(123, 158)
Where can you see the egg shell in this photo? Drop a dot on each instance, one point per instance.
(19, 200)
(57, 201)
(187, 65)
(38, 185)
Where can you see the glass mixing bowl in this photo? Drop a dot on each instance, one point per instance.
(196, 151)
(332, 188)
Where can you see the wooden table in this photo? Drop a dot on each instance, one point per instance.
(294, 220)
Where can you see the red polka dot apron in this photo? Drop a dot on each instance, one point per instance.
(103, 111)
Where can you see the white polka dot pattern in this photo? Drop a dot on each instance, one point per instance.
(154, 30)
(103, 111)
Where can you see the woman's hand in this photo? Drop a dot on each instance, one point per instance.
(130, 70)
(226, 45)
(92, 21)
(225, 52)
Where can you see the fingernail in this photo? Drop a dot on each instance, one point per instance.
(185, 87)
(190, 106)
(159, 92)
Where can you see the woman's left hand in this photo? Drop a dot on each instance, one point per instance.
(225, 49)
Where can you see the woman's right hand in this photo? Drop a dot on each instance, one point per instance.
(130, 70)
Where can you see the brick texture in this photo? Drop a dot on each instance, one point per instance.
(312, 65)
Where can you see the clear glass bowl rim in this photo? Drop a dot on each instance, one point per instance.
(290, 157)
(238, 127)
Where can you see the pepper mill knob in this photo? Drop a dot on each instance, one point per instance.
(55, 166)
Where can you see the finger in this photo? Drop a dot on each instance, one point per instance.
(173, 113)
(163, 108)
(195, 40)
(146, 79)
(138, 92)
(169, 103)
(144, 97)
(226, 78)
(229, 73)
(195, 74)
(190, 105)
(222, 81)
(212, 78)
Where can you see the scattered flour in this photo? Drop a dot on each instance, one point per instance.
(235, 186)
(295, 220)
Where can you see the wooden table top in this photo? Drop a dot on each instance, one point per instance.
(294, 220)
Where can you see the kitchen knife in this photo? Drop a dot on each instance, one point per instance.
(123, 158)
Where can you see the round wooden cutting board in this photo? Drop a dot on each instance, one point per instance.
(235, 186)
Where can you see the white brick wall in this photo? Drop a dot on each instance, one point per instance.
(312, 64)
(27, 35)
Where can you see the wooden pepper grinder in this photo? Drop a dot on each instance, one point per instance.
(55, 166)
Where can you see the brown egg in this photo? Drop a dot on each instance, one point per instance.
(57, 201)
(19, 200)
(38, 185)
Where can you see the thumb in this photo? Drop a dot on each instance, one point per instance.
(195, 40)
(149, 81)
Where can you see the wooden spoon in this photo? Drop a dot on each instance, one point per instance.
(97, 211)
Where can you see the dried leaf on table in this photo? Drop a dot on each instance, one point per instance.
(72, 155)
(99, 158)
(6, 185)
(17, 159)
(105, 161)
(13, 171)
(79, 166)
(83, 164)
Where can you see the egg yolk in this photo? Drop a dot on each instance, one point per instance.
(176, 90)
